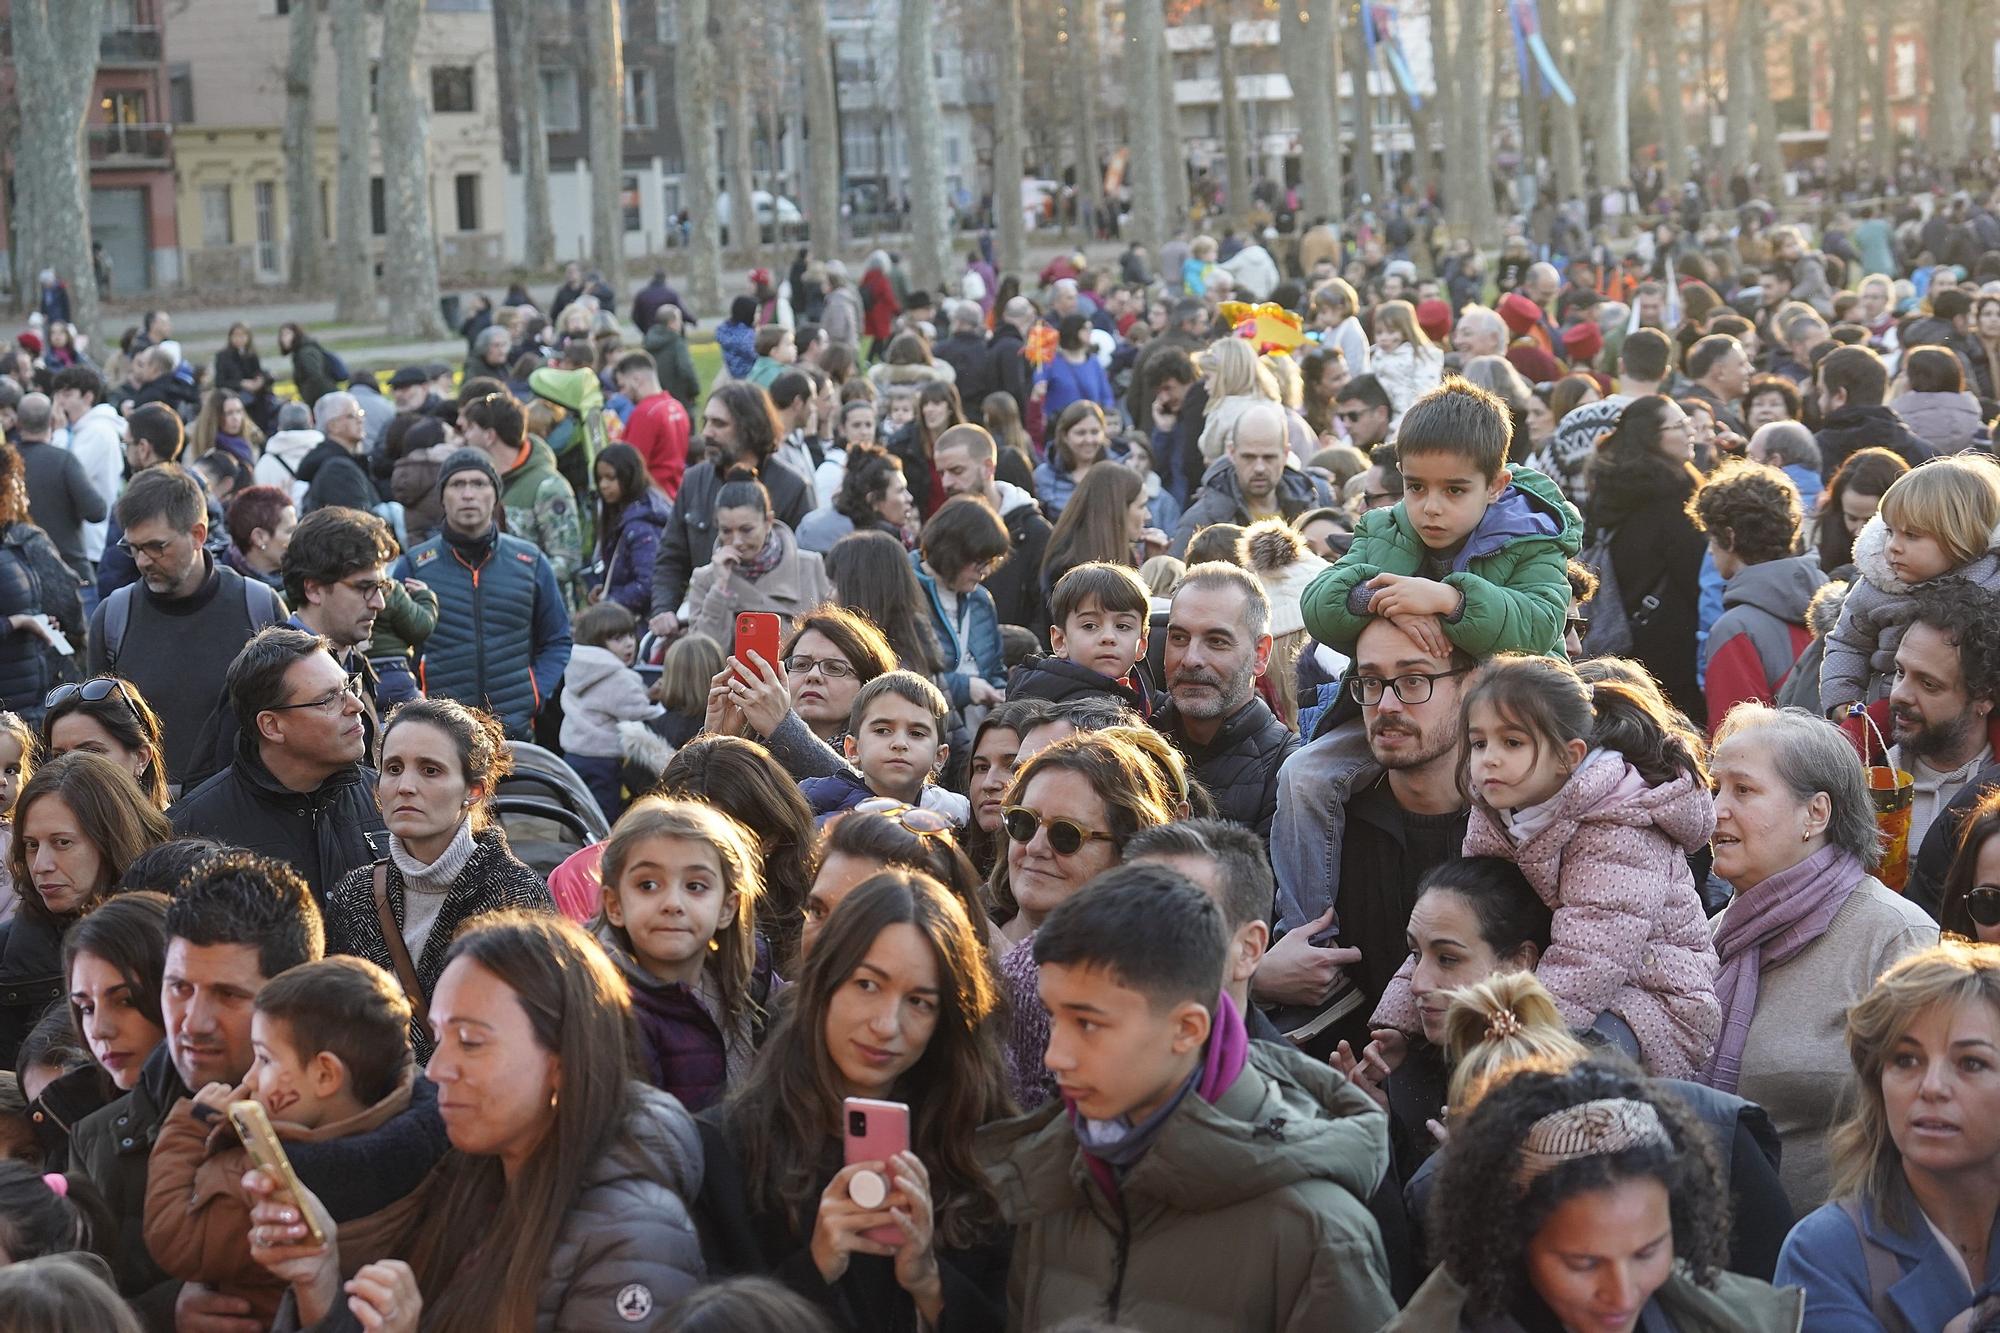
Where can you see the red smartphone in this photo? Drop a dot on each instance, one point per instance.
(875, 1132)
(758, 632)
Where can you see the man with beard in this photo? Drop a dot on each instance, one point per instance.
(1218, 643)
(1357, 827)
(1941, 709)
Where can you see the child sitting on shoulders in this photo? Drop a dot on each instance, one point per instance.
(600, 690)
(1097, 636)
(895, 737)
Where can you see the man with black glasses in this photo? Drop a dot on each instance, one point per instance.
(338, 578)
(298, 789)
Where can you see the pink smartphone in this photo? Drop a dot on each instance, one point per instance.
(875, 1132)
(758, 632)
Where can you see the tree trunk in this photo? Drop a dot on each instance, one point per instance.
(354, 268)
(1770, 156)
(1614, 131)
(1010, 238)
(1173, 144)
(305, 248)
(1445, 108)
(1742, 69)
(56, 40)
(1089, 170)
(1476, 46)
(1667, 83)
(412, 267)
(1979, 87)
(1948, 32)
(604, 72)
(822, 129)
(1147, 167)
(1301, 36)
(930, 217)
(694, 72)
(746, 234)
(1880, 83)
(1565, 122)
(1845, 98)
(1367, 183)
(520, 68)
(1235, 151)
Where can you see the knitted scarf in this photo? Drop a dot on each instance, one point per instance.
(1764, 926)
(1111, 1147)
(765, 560)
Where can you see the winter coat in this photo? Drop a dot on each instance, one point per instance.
(111, 1146)
(975, 631)
(541, 510)
(971, 361)
(1017, 585)
(171, 392)
(405, 622)
(1511, 572)
(1073, 381)
(198, 1218)
(1406, 374)
(739, 347)
(795, 585)
(847, 788)
(1869, 426)
(1277, 1167)
(35, 580)
(335, 477)
(598, 693)
(313, 371)
(492, 879)
(675, 364)
(1657, 551)
(413, 483)
(879, 304)
(284, 454)
(1220, 499)
(324, 833)
(1630, 935)
(1057, 679)
(688, 1045)
(31, 977)
(1735, 1304)
(1751, 649)
(1010, 363)
(1239, 767)
(907, 447)
(688, 541)
(1801, 689)
(1861, 652)
(842, 316)
(1828, 1260)
(1946, 422)
(633, 547)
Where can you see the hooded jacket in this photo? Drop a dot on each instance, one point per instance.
(628, 564)
(541, 509)
(674, 364)
(792, 587)
(1761, 632)
(1861, 651)
(599, 692)
(284, 454)
(1630, 935)
(1511, 572)
(1220, 499)
(1057, 679)
(333, 476)
(1239, 767)
(976, 632)
(98, 441)
(1735, 1304)
(1947, 422)
(1640, 509)
(1801, 688)
(1017, 585)
(1244, 1213)
(111, 1146)
(323, 833)
(1867, 426)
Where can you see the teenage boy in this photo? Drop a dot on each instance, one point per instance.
(1097, 632)
(1181, 1147)
(895, 737)
(332, 1060)
(1474, 554)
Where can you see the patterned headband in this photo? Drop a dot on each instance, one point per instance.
(1590, 1129)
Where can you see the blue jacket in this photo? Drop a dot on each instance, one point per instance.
(1825, 1256)
(1053, 488)
(502, 639)
(1069, 382)
(629, 554)
(981, 623)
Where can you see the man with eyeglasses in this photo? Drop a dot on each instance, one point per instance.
(299, 788)
(337, 575)
(154, 435)
(1357, 826)
(174, 633)
(333, 472)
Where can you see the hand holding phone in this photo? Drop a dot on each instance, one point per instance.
(875, 1132)
(253, 1126)
(758, 632)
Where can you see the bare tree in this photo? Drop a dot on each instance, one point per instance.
(1565, 119)
(354, 270)
(1360, 74)
(1303, 44)
(56, 41)
(1948, 27)
(521, 86)
(1979, 88)
(1737, 118)
(1665, 41)
(604, 69)
(404, 122)
(1148, 168)
(1848, 62)
(1884, 131)
(1235, 151)
(694, 70)
(1010, 235)
(930, 231)
(823, 127)
(305, 247)
(1089, 170)
(1613, 142)
(745, 234)
(1764, 112)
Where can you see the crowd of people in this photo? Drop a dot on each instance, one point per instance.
(1471, 783)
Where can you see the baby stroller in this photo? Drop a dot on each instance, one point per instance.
(546, 810)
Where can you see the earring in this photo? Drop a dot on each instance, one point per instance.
(555, 1095)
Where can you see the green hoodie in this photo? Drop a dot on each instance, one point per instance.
(1736, 1304)
(1514, 581)
(541, 508)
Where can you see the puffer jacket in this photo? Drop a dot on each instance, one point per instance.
(1630, 935)
(502, 637)
(1240, 766)
(795, 585)
(1057, 679)
(404, 623)
(977, 631)
(599, 692)
(628, 564)
(1801, 689)
(34, 580)
(323, 833)
(1511, 572)
(112, 1146)
(1761, 632)
(1861, 652)
(1220, 500)
(1946, 422)
(1735, 1304)
(1277, 1167)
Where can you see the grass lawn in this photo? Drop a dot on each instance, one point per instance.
(707, 362)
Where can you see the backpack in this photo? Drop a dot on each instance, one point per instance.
(1611, 625)
(118, 614)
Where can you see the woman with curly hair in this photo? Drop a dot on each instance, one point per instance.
(1585, 1199)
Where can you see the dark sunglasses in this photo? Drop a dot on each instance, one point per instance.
(1578, 625)
(95, 690)
(1983, 906)
(1066, 836)
(914, 819)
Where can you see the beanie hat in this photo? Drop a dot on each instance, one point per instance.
(1574, 441)
(1434, 318)
(1583, 341)
(468, 460)
(1535, 365)
(1519, 312)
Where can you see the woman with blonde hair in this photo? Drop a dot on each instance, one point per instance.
(225, 423)
(1908, 1240)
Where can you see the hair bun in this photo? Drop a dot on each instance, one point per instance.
(740, 470)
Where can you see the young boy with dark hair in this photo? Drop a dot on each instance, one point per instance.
(332, 1060)
(1472, 556)
(1221, 1180)
(1098, 614)
(895, 738)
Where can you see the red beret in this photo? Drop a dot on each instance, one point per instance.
(1520, 313)
(1583, 341)
(30, 341)
(1434, 318)
(1536, 365)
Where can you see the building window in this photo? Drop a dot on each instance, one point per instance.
(641, 111)
(451, 88)
(180, 94)
(560, 111)
(1906, 69)
(378, 207)
(216, 228)
(467, 189)
(628, 200)
(266, 196)
(668, 31)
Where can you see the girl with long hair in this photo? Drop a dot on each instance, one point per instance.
(225, 423)
(1404, 361)
(1078, 441)
(938, 410)
(1016, 452)
(632, 512)
(872, 575)
(109, 717)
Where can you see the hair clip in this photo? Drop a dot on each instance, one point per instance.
(1504, 1024)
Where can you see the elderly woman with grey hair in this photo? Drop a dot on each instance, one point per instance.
(490, 353)
(1807, 930)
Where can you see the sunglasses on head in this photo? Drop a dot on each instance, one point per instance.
(1983, 906)
(1066, 836)
(94, 690)
(914, 818)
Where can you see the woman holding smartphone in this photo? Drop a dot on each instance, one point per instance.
(758, 565)
(892, 1005)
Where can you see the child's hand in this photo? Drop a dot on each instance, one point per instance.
(1153, 542)
(1427, 632)
(215, 1097)
(984, 693)
(415, 586)
(1404, 595)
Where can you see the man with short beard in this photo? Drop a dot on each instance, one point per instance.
(1947, 682)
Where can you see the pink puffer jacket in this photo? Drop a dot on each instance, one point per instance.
(1629, 935)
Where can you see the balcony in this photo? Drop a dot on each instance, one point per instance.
(129, 44)
(131, 145)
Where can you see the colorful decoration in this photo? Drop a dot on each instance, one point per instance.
(1378, 28)
(1041, 345)
(1274, 329)
(1525, 18)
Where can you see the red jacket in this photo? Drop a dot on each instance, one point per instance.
(658, 429)
(878, 303)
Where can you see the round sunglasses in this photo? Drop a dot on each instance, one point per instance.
(1983, 906)
(1066, 836)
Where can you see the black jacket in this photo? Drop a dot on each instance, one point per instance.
(323, 833)
(1240, 766)
(1010, 364)
(30, 977)
(1058, 680)
(1656, 551)
(112, 1146)
(689, 538)
(171, 392)
(335, 477)
(1017, 585)
(1931, 863)
(971, 357)
(1874, 425)
(908, 449)
(1220, 500)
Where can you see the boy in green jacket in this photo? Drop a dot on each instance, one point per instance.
(1473, 556)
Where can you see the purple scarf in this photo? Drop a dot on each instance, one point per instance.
(1763, 927)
